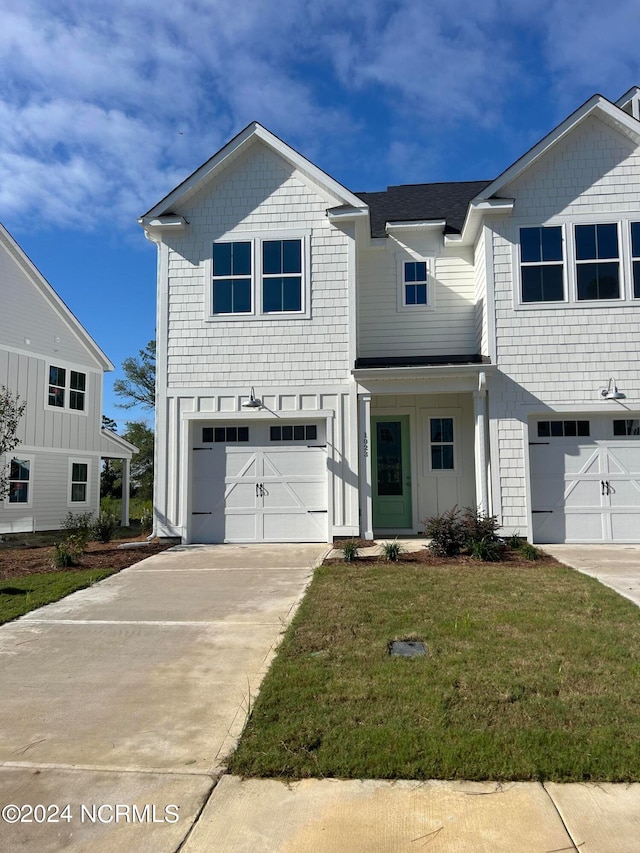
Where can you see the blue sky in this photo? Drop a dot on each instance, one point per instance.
(104, 108)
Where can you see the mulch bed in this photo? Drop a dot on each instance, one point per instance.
(20, 562)
(426, 558)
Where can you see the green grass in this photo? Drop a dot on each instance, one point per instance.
(20, 595)
(531, 674)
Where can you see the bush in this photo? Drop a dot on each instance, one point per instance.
(63, 555)
(446, 533)
(349, 552)
(529, 551)
(79, 529)
(104, 527)
(470, 531)
(392, 550)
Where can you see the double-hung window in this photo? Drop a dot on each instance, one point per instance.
(79, 482)
(597, 261)
(67, 388)
(259, 276)
(232, 269)
(19, 481)
(281, 276)
(635, 258)
(414, 280)
(542, 264)
(441, 440)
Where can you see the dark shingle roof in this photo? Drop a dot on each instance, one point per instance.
(415, 202)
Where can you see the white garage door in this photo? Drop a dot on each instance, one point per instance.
(585, 479)
(262, 482)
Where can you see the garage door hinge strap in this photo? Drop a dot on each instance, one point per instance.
(317, 510)
(201, 513)
(531, 443)
(538, 511)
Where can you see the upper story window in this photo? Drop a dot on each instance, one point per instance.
(67, 388)
(415, 282)
(635, 255)
(542, 264)
(597, 261)
(281, 275)
(258, 276)
(232, 278)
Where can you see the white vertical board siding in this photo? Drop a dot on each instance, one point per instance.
(560, 357)
(448, 329)
(28, 322)
(258, 193)
(46, 426)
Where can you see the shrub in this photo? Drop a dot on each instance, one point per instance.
(349, 552)
(515, 541)
(392, 550)
(446, 533)
(488, 549)
(146, 520)
(104, 527)
(478, 526)
(63, 555)
(529, 551)
(79, 528)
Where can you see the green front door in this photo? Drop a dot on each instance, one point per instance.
(391, 473)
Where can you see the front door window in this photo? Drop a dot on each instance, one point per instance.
(389, 445)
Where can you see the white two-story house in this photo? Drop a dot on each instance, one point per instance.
(49, 360)
(334, 363)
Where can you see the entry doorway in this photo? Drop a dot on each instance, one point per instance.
(392, 508)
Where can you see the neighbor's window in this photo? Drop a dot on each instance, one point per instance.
(281, 275)
(415, 282)
(57, 385)
(635, 254)
(19, 476)
(231, 278)
(597, 261)
(542, 264)
(79, 481)
(441, 434)
(77, 390)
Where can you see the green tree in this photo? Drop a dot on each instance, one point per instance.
(138, 433)
(138, 388)
(111, 475)
(11, 410)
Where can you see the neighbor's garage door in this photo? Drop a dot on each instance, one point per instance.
(585, 479)
(259, 483)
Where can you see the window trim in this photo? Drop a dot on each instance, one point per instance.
(78, 460)
(23, 457)
(257, 239)
(568, 223)
(403, 258)
(562, 263)
(439, 414)
(68, 390)
(583, 261)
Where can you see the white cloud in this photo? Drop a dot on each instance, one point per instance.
(104, 109)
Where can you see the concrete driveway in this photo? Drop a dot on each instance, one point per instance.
(132, 692)
(616, 566)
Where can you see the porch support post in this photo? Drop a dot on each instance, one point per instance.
(126, 468)
(481, 460)
(364, 429)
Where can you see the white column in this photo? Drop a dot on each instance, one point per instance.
(481, 459)
(126, 468)
(364, 431)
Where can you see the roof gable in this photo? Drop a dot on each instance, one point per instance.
(207, 172)
(595, 106)
(55, 303)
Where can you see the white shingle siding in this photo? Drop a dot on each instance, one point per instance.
(258, 193)
(560, 357)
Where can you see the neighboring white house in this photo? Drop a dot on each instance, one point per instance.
(334, 364)
(50, 361)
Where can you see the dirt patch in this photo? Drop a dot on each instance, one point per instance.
(23, 561)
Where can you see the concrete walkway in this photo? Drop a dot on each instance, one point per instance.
(616, 566)
(121, 701)
(133, 692)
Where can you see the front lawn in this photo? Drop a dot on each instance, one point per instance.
(19, 595)
(532, 672)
